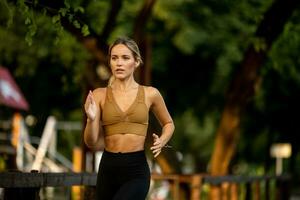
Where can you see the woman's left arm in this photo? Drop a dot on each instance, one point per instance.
(162, 114)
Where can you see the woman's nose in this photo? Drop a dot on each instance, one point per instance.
(119, 62)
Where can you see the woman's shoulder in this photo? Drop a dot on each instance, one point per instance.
(100, 90)
(99, 93)
(151, 91)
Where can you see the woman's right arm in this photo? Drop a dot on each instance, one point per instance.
(93, 129)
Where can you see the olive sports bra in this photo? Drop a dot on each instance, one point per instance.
(134, 120)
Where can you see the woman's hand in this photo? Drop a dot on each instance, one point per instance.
(157, 145)
(91, 107)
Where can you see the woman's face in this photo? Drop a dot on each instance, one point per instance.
(122, 62)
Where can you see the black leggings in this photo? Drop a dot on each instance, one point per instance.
(123, 176)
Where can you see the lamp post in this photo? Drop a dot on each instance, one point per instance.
(280, 151)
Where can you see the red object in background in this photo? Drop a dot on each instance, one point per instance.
(10, 94)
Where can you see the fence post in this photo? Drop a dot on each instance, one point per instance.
(267, 189)
(224, 189)
(234, 191)
(77, 160)
(175, 187)
(248, 190)
(256, 190)
(282, 188)
(215, 192)
(196, 187)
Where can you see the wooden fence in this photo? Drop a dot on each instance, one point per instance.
(20, 186)
(229, 187)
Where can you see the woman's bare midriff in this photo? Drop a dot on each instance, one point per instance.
(124, 143)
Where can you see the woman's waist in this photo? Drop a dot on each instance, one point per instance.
(124, 143)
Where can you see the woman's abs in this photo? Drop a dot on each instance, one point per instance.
(124, 143)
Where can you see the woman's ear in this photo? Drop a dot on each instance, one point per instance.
(137, 63)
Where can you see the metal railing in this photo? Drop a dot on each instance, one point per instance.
(227, 187)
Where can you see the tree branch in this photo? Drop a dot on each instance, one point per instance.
(142, 19)
(115, 8)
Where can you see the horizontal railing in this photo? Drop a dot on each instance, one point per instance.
(226, 186)
(229, 187)
(28, 180)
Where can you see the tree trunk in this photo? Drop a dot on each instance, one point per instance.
(245, 83)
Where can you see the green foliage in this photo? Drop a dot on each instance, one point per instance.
(96, 13)
(270, 117)
(199, 136)
(196, 48)
(285, 53)
(126, 19)
(27, 9)
(6, 13)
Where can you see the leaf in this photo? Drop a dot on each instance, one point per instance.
(188, 38)
(259, 44)
(76, 24)
(79, 8)
(56, 40)
(85, 30)
(63, 11)
(70, 17)
(55, 19)
(28, 39)
(44, 11)
(32, 30)
(35, 2)
(27, 21)
(67, 4)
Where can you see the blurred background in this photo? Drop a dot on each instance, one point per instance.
(229, 72)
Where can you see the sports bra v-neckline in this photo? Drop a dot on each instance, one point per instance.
(124, 112)
(133, 120)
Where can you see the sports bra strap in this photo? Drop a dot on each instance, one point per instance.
(109, 94)
(141, 94)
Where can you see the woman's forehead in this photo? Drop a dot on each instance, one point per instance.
(121, 49)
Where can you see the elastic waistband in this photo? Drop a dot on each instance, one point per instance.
(141, 152)
(124, 158)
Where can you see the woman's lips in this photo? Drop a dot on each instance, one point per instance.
(119, 70)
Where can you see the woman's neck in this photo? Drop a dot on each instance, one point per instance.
(124, 85)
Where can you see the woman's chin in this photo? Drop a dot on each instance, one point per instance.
(121, 77)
